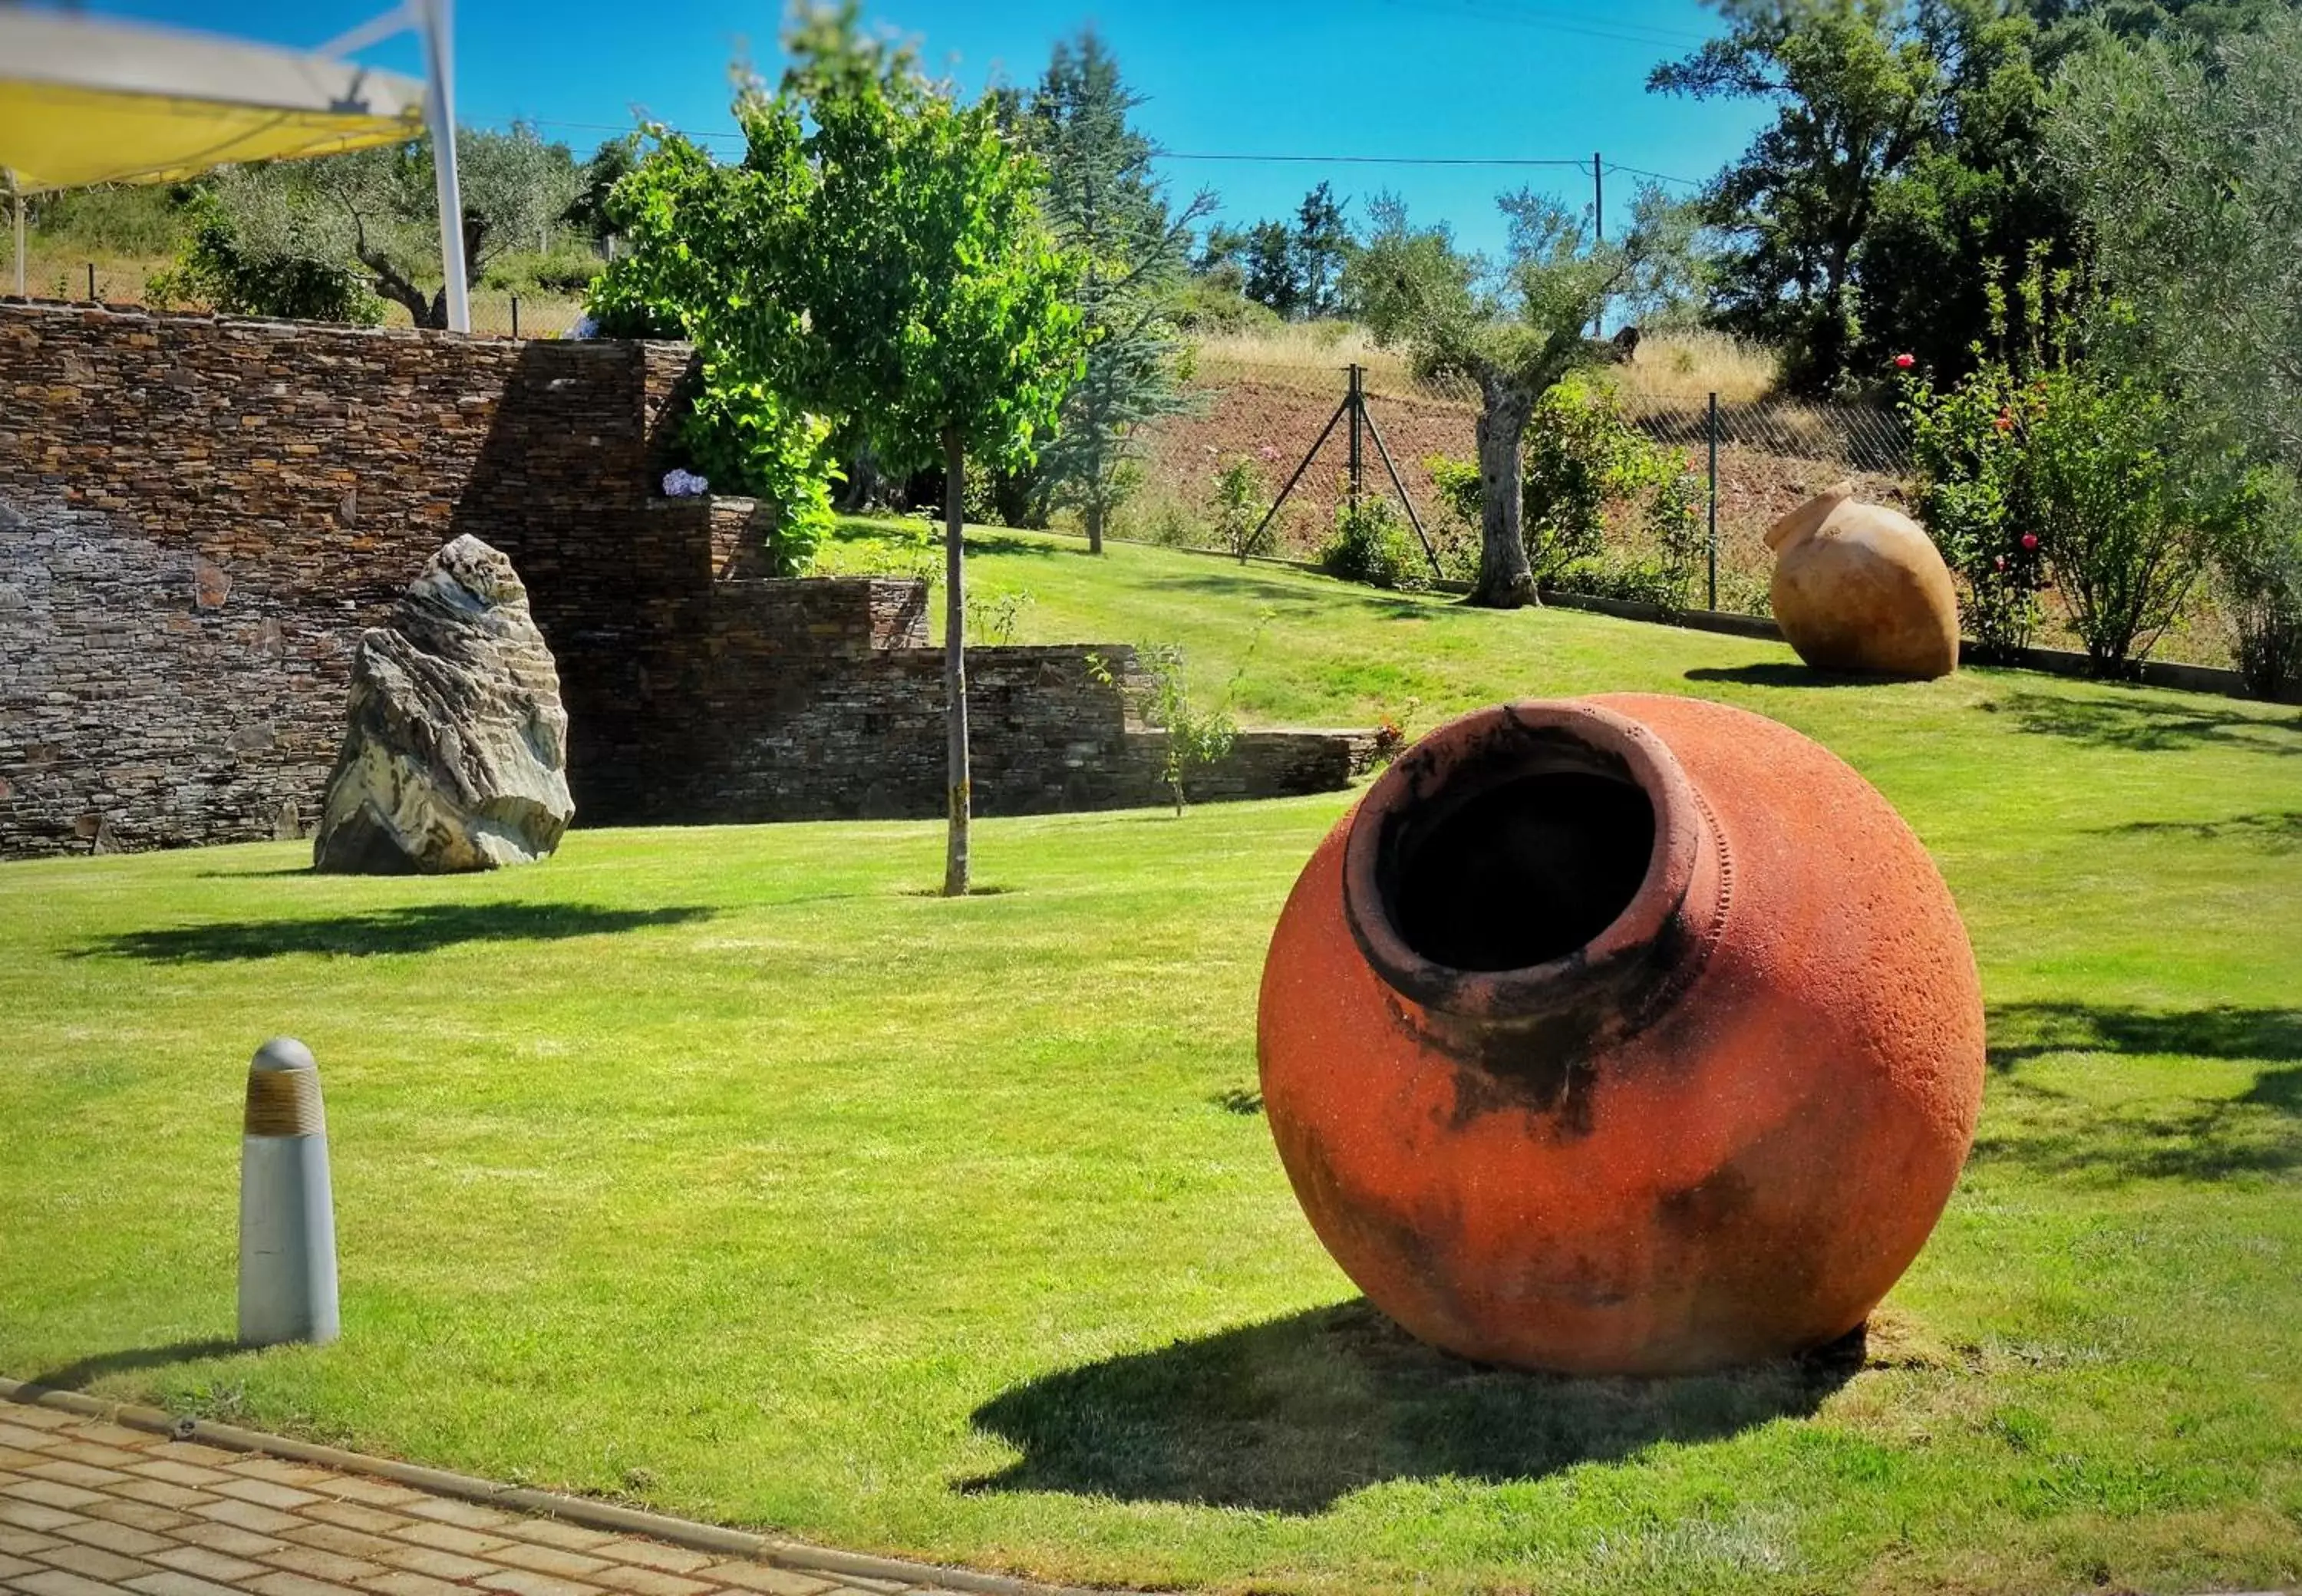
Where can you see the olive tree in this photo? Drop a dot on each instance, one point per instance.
(1514, 330)
(2185, 160)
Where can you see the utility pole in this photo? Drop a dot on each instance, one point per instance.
(1598, 197)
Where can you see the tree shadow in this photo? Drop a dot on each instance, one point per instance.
(2162, 1137)
(1002, 542)
(2146, 725)
(1291, 1414)
(2024, 1030)
(2278, 831)
(1285, 598)
(1777, 672)
(74, 1376)
(416, 929)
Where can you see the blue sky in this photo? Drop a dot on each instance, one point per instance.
(1456, 80)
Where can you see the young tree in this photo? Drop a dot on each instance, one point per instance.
(1105, 206)
(941, 312)
(1515, 333)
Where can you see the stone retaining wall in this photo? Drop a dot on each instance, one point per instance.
(198, 517)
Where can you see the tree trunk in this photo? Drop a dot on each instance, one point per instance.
(954, 667)
(1093, 519)
(1505, 579)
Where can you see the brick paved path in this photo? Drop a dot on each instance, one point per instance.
(91, 1508)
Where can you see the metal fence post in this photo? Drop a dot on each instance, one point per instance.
(91, 283)
(1357, 402)
(514, 316)
(286, 1211)
(1714, 501)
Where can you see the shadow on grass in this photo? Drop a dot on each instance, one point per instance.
(2166, 1137)
(2279, 831)
(72, 1377)
(1289, 1416)
(2024, 1030)
(998, 542)
(2102, 720)
(1776, 672)
(1287, 597)
(417, 928)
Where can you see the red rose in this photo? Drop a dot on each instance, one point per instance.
(2005, 422)
(1905, 362)
(1999, 564)
(2029, 539)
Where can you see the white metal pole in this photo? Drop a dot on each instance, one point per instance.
(439, 114)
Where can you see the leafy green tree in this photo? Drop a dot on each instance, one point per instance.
(709, 260)
(1266, 255)
(1857, 96)
(1515, 330)
(1320, 245)
(1105, 206)
(265, 257)
(941, 313)
(2186, 161)
(377, 207)
(615, 159)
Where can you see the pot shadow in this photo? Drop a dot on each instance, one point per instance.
(74, 1376)
(415, 929)
(2160, 1137)
(1293, 1414)
(1774, 673)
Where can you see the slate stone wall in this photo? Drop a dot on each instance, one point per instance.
(198, 516)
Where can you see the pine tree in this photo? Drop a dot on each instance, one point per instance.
(1104, 203)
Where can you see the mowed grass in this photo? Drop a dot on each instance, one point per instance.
(725, 1170)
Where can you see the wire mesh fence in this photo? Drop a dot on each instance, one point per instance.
(1770, 455)
(496, 313)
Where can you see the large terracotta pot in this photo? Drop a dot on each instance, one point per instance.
(1862, 588)
(1627, 1034)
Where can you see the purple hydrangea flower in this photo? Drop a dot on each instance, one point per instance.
(679, 483)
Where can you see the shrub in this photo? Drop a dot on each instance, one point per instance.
(2041, 463)
(1973, 498)
(2261, 582)
(748, 439)
(1236, 509)
(1371, 543)
(2123, 522)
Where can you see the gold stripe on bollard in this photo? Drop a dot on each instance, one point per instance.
(285, 1102)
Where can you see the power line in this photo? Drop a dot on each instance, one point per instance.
(1580, 164)
(1372, 160)
(1660, 177)
(1549, 21)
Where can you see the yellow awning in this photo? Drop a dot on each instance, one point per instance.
(84, 100)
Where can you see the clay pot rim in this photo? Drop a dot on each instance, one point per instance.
(1615, 739)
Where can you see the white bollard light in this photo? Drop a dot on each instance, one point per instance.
(287, 1213)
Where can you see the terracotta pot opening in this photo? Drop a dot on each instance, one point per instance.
(1524, 857)
(1524, 873)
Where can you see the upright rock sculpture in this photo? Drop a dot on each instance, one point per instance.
(1862, 588)
(456, 756)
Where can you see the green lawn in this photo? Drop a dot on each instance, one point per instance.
(725, 1170)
